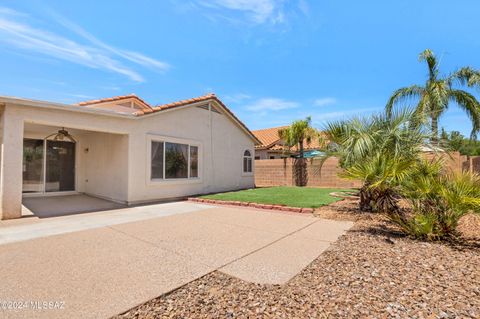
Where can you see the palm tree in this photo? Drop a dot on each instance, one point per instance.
(438, 92)
(377, 150)
(298, 133)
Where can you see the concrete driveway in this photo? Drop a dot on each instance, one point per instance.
(101, 264)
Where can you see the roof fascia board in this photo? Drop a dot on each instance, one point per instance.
(63, 107)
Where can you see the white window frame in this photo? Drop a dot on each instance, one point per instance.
(169, 181)
(251, 159)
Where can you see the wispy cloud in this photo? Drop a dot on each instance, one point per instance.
(248, 12)
(271, 104)
(321, 118)
(257, 11)
(237, 98)
(325, 101)
(17, 32)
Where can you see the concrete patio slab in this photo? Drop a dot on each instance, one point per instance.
(212, 243)
(50, 206)
(277, 263)
(282, 260)
(325, 229)
(260, 219)
(10, 231)
(93, 274)
(102, 264)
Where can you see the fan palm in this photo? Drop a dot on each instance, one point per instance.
(378, 151)
(438, 92)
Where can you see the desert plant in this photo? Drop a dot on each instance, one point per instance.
(437, 200)
(438, 92)
(382, 175)
(378, 150)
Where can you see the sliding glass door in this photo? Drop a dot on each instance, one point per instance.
(48, 166)
(33, 160)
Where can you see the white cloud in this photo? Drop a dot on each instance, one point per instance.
(325, 101)
(271, 104)
(237, 98)
(96, 54)
(257, 11)
(342, 115)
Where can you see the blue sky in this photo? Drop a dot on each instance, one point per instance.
(270, 61)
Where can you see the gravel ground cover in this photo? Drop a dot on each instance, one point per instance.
(370, 272)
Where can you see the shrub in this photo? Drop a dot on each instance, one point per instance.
(437, 200)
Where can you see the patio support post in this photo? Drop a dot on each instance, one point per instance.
(11, 161)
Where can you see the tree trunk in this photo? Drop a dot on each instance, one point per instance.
(434, 138)
(365, 199)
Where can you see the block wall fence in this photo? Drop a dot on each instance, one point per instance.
(279, 172)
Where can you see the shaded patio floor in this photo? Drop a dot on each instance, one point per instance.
(62, 205)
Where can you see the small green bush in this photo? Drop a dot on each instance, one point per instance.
(437, 200)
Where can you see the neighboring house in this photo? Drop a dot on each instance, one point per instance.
(121, 149)
(273, 147)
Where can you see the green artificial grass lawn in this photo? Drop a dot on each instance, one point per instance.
(304, 197)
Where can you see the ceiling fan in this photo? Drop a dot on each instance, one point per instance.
(62, 135)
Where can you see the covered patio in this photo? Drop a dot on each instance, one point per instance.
(62, 205)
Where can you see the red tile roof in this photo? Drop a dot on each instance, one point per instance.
(268, 136)
(162, 107)
(271, 141)
(114, 99)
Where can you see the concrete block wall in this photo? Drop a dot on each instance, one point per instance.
(279, 172)
(274, 172)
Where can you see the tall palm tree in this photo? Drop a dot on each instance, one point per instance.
(438, 92)
(298, 133)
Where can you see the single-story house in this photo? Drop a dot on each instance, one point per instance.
(121, 149)
(272, 146)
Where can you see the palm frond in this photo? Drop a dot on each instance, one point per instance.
(404, 95)
(428, 56)
(470, 105)
(466, 76)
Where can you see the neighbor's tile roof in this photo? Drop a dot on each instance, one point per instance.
(268, 136)
(271, 141)
(162, 107)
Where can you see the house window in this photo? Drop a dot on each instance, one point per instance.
(247, 162)
(176, 160)
(272, 157)
(173, 160)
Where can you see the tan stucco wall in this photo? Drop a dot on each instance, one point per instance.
(118, 166)
(221, 153)
(105, 166)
